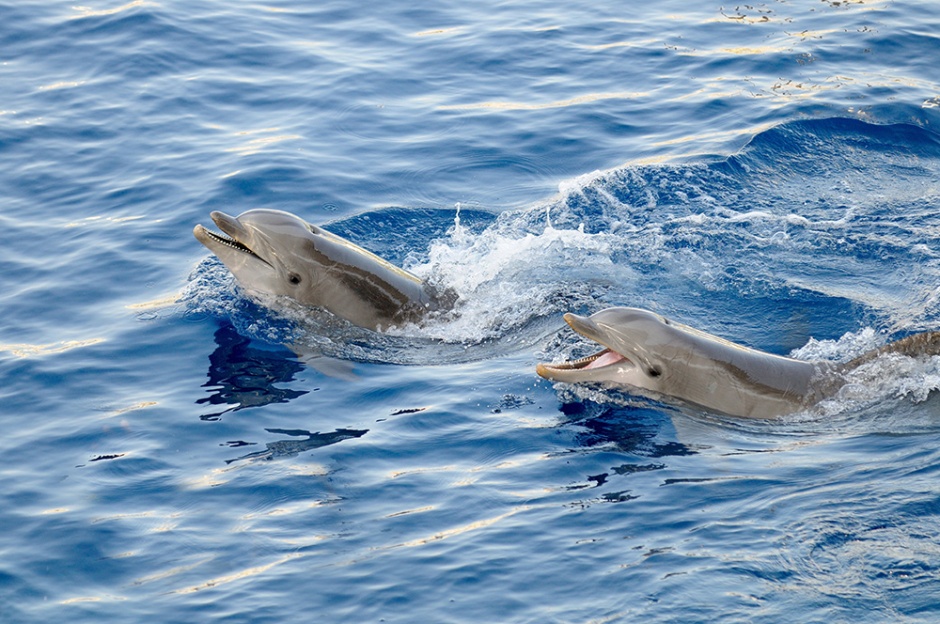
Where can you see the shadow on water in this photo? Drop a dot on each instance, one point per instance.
(289, 448)
(626, 429)
(635, 434)
(242, 375)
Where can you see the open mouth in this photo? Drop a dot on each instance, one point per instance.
(231, 231)
(601, 359)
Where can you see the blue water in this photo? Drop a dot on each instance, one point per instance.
(174, 451)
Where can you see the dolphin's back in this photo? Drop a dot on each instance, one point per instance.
(769, 385)
(738, 380)
(365, 288)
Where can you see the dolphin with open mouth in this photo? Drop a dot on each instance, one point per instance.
(278, 253)
(646, 352)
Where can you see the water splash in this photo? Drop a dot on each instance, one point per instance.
(508, 276)
(849, 346)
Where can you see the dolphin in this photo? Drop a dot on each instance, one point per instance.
(645, 351)
(278, 253)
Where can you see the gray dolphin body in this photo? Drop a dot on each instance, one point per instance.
(278, 253)
(646, 351)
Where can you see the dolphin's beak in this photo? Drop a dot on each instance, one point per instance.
(560, 371)
(230, 225)
(234, 235)
(580, 324)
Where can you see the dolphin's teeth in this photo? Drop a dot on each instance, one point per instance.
(583, 361)
(600, 359)
(229, 242)
(579, 363)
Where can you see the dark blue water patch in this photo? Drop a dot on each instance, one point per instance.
(16, 593)
(809, 151)
(60, 539)
(778, 321)
(254, 182)
(889, 47)
(926, 507)
(126, 45)
(834, 143)
(396, 233)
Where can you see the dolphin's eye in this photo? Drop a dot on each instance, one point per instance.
(294, 279)
(654, 371)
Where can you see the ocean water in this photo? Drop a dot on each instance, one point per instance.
(176, 451)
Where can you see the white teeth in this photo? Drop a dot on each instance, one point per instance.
(230, 242)
(577, 364)
(585, 360)
(597, 360)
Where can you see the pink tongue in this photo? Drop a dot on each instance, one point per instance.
(610, 357)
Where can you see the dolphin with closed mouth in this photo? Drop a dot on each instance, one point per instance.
(647, 352)
(278, 253)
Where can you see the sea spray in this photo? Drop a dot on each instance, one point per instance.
(508, 275)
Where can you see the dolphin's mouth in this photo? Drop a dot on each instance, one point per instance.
(601, 359)
(229, 237)
(605, 358)
(230, 242)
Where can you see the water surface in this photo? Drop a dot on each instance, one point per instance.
(176, 451)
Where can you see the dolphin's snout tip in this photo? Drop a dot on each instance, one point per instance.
(573, 319)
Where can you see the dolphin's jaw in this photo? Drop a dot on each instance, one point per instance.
(594, 365)
(590, 361)
(230, 242)
(605, 365)
(250, 269)
(209, 238)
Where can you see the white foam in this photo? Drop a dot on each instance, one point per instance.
(506, 276)
(888, 377)
(210, 289)
(885, 380)
(847, 347)
(579, 183)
